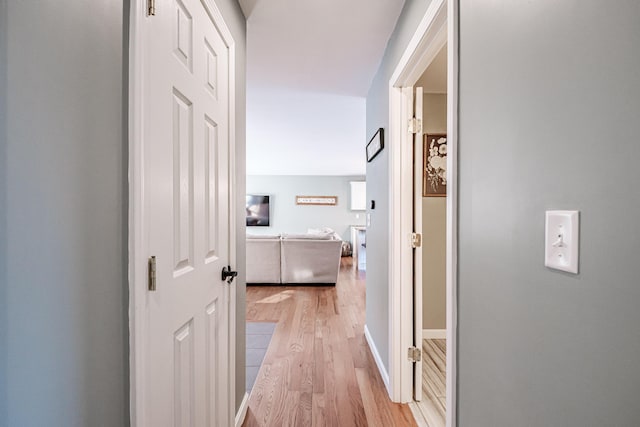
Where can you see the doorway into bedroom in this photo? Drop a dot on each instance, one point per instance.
(430, 213)
(423, 199)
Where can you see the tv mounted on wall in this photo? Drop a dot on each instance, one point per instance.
(257, 210)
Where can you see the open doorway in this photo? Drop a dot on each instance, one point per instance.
(430, 213)
(305, 235)
(434, 40)
(308, 361)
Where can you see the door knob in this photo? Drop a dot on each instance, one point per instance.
(228, 275)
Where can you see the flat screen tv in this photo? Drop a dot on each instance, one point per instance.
(257, 210)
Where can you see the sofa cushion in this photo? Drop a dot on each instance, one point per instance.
(326, 231)
(263, 236)
(306, 236)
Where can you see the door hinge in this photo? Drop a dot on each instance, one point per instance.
(415, 125)
(414, 354)
(152, 273)
(416, 240)
(151, 7)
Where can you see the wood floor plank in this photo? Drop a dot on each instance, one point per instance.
(432, 379)
(319, 370)
(442, 345)
(433, 404)
(318, 367)
(318, 410)
(392, 414)
(274, 394)
(374, 417)
(436, 353)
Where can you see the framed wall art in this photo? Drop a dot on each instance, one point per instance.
(375, 145)
(434, 172)
(317, 200)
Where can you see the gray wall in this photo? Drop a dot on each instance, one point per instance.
(63, 211)
(434, 229)
(378, 180)
(66, 214)
(287, 217)
(3, 214)
(549, 107)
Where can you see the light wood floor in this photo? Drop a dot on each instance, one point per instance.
(318, 370)
(433, 404)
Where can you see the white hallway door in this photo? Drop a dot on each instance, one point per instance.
(187, 191)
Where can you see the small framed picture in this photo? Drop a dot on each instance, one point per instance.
(375, 145)
(434, 172)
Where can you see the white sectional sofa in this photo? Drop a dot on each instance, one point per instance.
(293, 259)
(263, 259)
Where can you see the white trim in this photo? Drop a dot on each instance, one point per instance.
(218, 20)
(452, 209)
(424, 45)
(242, 410)
(137, 202)
(376, 357)
(400, 229)
(233, 294)
(417, 252)
(395, 307)
(434, 334)
(426, 40)
(137, 297)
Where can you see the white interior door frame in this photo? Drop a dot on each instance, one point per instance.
(137, 241)
(438, 26)
(417, 252)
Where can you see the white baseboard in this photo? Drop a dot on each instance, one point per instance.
(242, 410)
(434, 334)
(376, 356)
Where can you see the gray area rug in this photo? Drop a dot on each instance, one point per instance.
(258, 338)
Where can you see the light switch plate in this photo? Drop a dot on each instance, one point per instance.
(562, 240)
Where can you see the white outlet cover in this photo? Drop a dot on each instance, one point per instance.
(562, 240)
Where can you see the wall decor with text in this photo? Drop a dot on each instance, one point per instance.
(317, 200)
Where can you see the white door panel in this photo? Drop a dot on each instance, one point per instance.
(186, 186)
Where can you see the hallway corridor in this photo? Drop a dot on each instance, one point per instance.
(318, 370)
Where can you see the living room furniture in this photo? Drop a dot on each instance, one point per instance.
(263, 259)
(292, 259)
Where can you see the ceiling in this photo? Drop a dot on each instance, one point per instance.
(310, 64)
